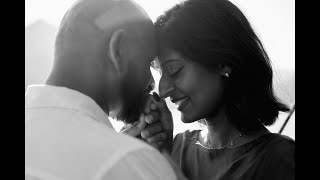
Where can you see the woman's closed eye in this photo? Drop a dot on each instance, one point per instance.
(173, 70)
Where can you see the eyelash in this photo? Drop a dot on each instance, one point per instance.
(175, 73)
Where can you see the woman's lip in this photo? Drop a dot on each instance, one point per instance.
(183, 104)
(174, 100)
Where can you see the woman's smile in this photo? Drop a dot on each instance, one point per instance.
(181, 102)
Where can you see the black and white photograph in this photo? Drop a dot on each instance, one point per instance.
(160, 90)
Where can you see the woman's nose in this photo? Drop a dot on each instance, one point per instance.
(165, 87)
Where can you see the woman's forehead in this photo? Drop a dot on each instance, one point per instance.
(167, 54)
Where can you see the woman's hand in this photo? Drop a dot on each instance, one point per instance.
(155, 124)
(159, 132)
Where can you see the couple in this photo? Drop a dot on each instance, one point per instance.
(212, 66)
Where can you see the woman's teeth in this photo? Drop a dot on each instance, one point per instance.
(178, 103)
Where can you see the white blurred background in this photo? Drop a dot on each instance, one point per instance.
(273, 21)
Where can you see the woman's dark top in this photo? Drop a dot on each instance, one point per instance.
(270, 157)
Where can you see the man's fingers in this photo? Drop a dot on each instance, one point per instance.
(155, 145)
(147, 103)
(141, 123)
(161, 143)
(158, 137)
(137, 127)
(151, 130)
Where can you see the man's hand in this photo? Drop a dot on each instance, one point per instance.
(155, 124)
(136, 128)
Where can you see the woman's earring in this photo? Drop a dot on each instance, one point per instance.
(227, 75)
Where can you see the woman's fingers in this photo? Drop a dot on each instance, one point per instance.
(152, 117)
(160, 137)
(151, 130)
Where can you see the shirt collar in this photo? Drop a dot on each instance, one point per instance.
(55, 96)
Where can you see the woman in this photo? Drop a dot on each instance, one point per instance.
(214, 67)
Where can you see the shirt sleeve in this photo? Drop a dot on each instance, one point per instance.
(142, 164)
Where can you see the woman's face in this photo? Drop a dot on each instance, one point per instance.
(196, 91)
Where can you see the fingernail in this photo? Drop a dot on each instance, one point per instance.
(156, 96)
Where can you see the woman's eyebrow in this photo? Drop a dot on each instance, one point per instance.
(162, 64)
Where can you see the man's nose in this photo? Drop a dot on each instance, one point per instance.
(151, 85)
(165, 87)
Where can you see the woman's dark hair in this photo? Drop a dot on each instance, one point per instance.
(212, 32)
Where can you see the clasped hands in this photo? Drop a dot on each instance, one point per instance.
(155, 125)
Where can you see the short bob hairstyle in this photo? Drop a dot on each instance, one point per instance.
(213, 32)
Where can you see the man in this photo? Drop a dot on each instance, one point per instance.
(101, 67)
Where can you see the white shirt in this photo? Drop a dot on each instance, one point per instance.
(69, 137)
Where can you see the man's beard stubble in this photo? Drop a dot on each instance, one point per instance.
(132, 100)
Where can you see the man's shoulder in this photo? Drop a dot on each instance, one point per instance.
(80, 144)
(104, 140)
(137, 157)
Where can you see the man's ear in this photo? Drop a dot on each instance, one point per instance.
(114, 50)
(224, 70)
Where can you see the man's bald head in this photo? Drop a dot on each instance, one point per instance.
(103, 49)
(88, 23)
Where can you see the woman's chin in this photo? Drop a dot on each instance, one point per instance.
(187, 118)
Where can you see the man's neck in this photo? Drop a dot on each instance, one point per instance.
(58, 79)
